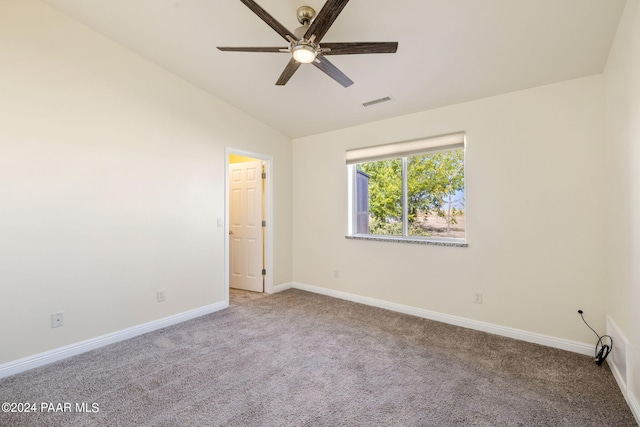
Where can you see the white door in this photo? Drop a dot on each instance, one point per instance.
(245, 226)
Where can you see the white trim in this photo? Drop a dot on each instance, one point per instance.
(634, 404)
(282, 287)
(41, 359)
(268, 255)
(549, 341)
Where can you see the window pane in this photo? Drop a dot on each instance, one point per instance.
(435, 186)
(382, 182)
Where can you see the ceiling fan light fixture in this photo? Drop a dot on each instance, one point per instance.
(304, 53)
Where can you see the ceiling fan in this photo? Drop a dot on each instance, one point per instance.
(304, 43)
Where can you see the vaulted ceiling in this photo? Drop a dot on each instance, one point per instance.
(450, 51)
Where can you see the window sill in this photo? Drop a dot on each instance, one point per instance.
(408, 240)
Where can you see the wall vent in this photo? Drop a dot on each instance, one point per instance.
(376, 101)
(620, 359)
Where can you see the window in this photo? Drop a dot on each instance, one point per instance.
(410, 190)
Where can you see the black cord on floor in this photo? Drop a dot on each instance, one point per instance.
(602, 349)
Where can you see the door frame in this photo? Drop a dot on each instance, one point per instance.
(268, 212)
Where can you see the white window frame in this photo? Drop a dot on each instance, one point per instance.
(401, 150)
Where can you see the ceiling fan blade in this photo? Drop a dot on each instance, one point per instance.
(357, 48)
(253, 49)
(325, 19)
(270, 20)
(291, 68)
(332, 71)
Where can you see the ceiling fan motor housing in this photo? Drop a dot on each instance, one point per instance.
(300, 32)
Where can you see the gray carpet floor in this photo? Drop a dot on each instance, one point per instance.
(302, 359)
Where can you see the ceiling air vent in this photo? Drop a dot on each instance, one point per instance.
(376, 101)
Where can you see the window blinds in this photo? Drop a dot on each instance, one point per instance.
(448, 142)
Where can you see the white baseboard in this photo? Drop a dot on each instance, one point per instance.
(282, 287)
(57, 354)
(549, 341)
(634, 404)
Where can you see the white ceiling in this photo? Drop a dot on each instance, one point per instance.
(450, 51)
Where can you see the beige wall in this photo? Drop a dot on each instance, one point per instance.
(623, 155)
(111, 182)
(535, 217)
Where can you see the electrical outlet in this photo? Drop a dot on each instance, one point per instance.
(336, 274)
(477, 297)
(160, 296)
(57, 320)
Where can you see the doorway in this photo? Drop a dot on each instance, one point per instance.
(248, 248)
